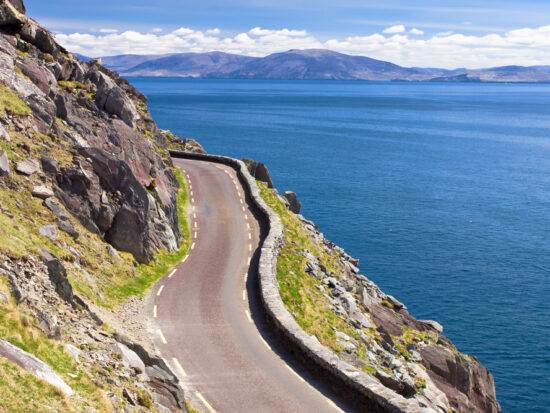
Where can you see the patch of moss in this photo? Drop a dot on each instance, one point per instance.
(10, 102)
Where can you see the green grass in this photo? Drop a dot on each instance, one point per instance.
(148, 274)
(298, 290)
(21, 331)
(10, 102)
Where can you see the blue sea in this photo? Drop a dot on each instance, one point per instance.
(441, 190)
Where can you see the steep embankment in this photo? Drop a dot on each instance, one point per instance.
(92, 212)
(371, 332)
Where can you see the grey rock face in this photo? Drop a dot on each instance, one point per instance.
(62, 219)
(259, 171)
(33, 365)
(4, 298)
(293, 204)
(4, 164)
(27, 167)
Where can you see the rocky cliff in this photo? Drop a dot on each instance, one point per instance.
(88, 218)
(115, 175)
(321, 286)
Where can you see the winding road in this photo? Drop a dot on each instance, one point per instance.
(206, 314)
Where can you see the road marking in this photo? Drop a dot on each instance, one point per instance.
(248, 315)
(183, 170)
(265, 342)
(192, 200)
(241, 200)
(244, 295)
(190, 186)
(248, 226)
(195, 224)
(155, 311)
(194, 215)
(191, 193)
(246, 217)
(249, 247)
(172, 273)
(296, 374)
(193, 208)
(245, 277)
(178, 366)
(210, 408)
(243, 208)
(250, 259)
(196, 233)
(160, 290)
(184, 258)
(249, 235)
(163, 339)
(193, 246)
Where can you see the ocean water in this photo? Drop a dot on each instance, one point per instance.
(441, 190)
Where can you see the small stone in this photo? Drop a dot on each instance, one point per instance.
(343, 336)
(75, 352)
(4, 298)
(48, 231)
(4, 134)
(42, 192)
(4, 164)
(113, 252)
(27, 167)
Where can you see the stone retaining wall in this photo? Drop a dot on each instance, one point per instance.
(363, 390)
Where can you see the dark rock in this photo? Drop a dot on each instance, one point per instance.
(10, 13)
(39, 37)
(27, 167)
(293, 204)
(49, 164)
(4, 164)
(62, 219)
(401, 387)
(387, 320)
(19, 6)
(129, 396)
(259, 171)
(40, 76)
(467, 384)
(58, 275)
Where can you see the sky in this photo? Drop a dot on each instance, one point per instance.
(419, 33)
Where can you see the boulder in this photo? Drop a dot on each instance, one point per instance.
(19, 6)
(49, 164)
(293, 204)
(34, 366)
(128, 357)
(58, 275)
(259, 171)
(48, 231)
(433, 324)
(10, 14)
(62, 220)
(191, 145)
(4, 164)
(40, 76)
(39, 37)
(27, 167)
(42, 192)
(468, 385)
(4, 133)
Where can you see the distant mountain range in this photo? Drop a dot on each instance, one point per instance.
(313, 64)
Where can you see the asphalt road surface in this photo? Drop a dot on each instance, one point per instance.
(206, 314)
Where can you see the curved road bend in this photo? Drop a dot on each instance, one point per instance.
(206, 311)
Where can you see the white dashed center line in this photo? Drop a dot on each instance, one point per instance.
(160, 290)
(162, 338)
(179, 367)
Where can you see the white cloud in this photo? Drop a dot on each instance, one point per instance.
(416, 32)
(394, 29)
(526, 46)
(157, 30)
(108, 31)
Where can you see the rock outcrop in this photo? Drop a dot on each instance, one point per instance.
(409, 356)
(117, 178)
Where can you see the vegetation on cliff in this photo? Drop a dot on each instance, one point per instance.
(92, 212)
